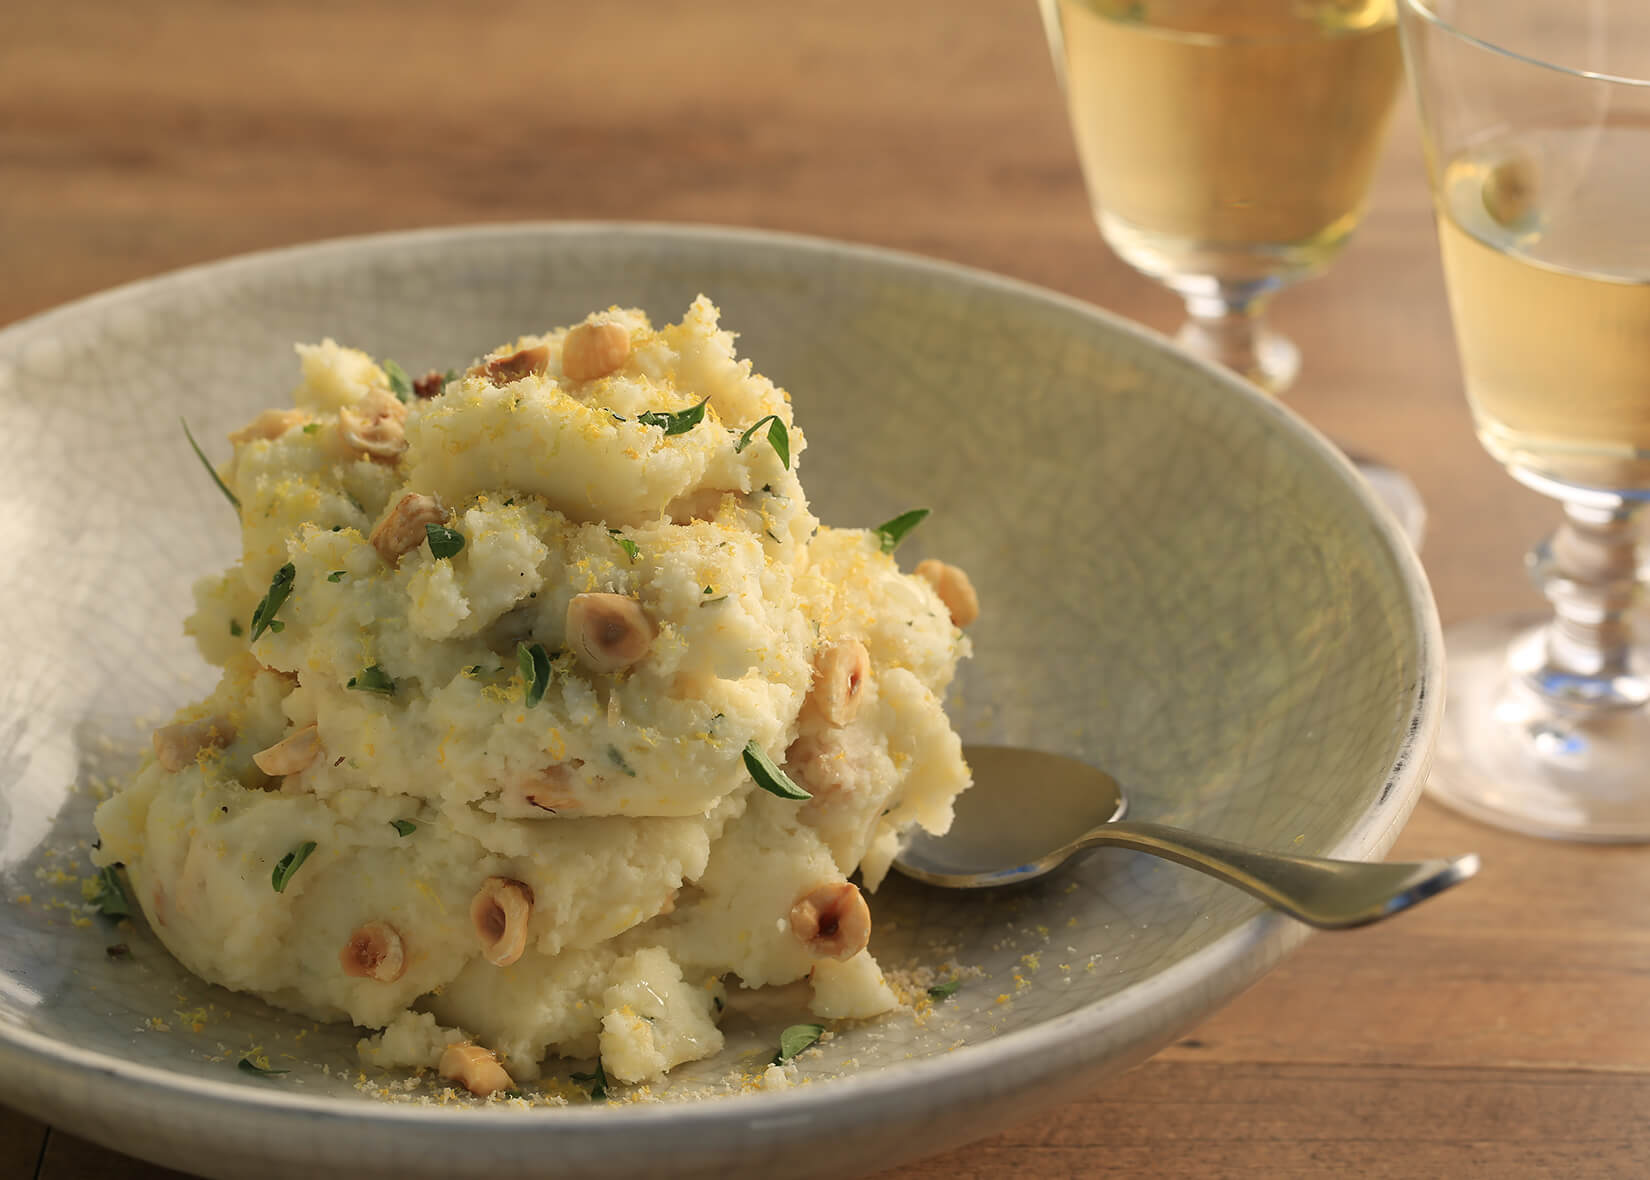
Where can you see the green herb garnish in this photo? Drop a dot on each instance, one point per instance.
(617, 759)
(941, 990)
(235, 628)
(336, 575)
(597, 1081)
(247, 1065)
(444, 542)
(535, 671)
(312, 427)
(675, 421)
(713, 601)
(778, 438)
(400, 383)
(110, 899)
(210, 470)
(290, 864)
(403, 827)
(279, 587)
(625, 543)
(768, 776)
(891, 532)
(372, 679)
(795, 1039)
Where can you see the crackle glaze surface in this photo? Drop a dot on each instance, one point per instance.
(1181, 583)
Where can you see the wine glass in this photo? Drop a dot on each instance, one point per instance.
(1228, 146)
(1537, 125)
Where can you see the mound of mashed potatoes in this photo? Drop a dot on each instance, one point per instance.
(546, 707)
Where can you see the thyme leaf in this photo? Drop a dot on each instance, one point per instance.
(795, 1039)
(280, 586)
(534, 662)
(372, 679)
(110, 899)
(596, 1080)
(210, 470)
(400, 384)
(768, 776)
(675, 421)
(444, 542)
(778, 438)
(289, 865)
(891, 532)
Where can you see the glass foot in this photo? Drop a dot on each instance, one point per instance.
(1240, 341)
(1507, 757)
(1394, 490)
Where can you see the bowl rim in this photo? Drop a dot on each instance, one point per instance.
(35, 1068)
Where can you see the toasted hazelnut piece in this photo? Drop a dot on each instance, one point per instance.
(291, 754)
(594, 350)
(501, 370)
(402, 530)
(270, 424)
(374, 951)
(176, 746)
(375, 426)
(430, 385)
(840, 670)
(608, 631)
(549, 792)
(500, 912)
(1512, 190)
(832, 921)
(818, 764)
(954, 589)
(474, 1068)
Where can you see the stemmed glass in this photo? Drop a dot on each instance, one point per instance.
(1228, 146)
(1537, 125)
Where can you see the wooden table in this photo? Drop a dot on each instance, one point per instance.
(1501, 1031)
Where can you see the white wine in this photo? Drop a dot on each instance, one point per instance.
(1546, 251)
(1232, 139)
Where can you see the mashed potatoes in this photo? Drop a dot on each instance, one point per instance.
(546, 705)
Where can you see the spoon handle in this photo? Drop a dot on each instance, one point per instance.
(1329, 894)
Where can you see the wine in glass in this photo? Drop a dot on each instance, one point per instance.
(1228, 147)
(1537, 125)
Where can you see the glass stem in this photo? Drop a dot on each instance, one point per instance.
(1588, 570)
(1228, 326)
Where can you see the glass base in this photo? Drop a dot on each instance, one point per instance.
(1246, 346)
(1397, 494)
(1506, 756)
(1242, 342)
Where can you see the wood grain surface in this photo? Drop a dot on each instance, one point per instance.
(1503, 1030)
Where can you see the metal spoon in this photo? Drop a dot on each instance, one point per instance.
(1028, 811)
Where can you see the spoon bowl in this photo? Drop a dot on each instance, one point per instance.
(1029, 812)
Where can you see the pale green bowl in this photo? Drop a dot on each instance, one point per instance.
(1181, 582)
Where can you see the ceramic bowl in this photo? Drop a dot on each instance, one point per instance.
(1181, 582)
